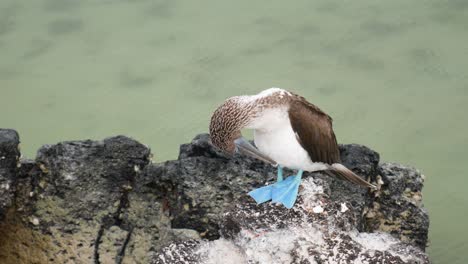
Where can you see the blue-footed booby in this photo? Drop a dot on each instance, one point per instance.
(288, 132)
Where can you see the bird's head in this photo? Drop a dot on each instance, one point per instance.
(226, 125)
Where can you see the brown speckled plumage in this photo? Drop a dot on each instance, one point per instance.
(235, 113)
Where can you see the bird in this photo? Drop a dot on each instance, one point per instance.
(288, 131)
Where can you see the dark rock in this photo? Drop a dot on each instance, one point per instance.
(149, 219)
(269, 233)
(83, 192)
(90, 176)
(206, 185)
(9, 156)
(361, 159)
(197, 190)
(104, 202)
(364, 162)
(27, 186)
(200, 147)
(398, 209)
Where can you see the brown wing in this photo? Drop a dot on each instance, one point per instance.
(314, 131)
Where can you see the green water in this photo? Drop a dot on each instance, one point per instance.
(392, 74)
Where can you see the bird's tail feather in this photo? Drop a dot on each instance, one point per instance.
(340, 171)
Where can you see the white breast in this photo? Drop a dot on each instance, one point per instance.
(274, 136)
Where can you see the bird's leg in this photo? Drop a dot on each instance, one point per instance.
(299, 175)
(280, 174)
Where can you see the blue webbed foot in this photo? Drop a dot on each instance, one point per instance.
(285, 192)
(264, 194)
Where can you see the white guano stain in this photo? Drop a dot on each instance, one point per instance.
(344, 208)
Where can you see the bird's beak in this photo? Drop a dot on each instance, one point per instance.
(244, 146)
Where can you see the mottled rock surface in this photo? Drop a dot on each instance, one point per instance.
(105, 202)
(9, 156)
(398, 207)
(317, 230)
(332, 220)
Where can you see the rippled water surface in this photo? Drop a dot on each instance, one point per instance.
(393, 74)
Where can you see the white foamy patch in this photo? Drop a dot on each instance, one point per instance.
(317, 209)
(276, 246)
(5, 186)
(382, 242)
(297, 243)
(310, 192)
(221, 251)
(35, 221)
(271, 247)
(263, 247)
(374, 241)
(380, 181)
(344, 208)
(311, 189)
(69, 176)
